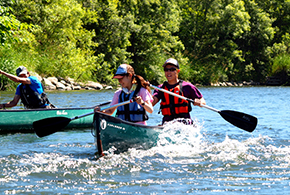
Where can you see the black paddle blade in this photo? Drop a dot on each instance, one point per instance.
(239, 119)
(49, 126)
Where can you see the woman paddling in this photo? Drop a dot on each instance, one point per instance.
(133, 87)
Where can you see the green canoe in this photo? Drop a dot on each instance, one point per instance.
(111, 131)
(13, 121)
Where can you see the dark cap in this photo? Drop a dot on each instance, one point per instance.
(171, 61)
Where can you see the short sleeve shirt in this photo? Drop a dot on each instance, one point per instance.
(35, 86)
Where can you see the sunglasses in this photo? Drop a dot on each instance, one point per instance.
(169, 69)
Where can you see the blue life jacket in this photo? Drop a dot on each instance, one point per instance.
(132, 112)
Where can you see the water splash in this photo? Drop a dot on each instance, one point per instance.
(179, 139)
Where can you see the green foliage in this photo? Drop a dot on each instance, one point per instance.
(213, 40)
(111, 37)
(7, 64)
(152, 40)
(63, 45)
(226, 37)
(255, 43)
(139, 33)
(8, 25)
(281, 67)
(281, 64)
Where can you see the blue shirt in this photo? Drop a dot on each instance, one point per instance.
(35, 86)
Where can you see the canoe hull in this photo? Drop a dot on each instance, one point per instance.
(12, 121)
(123, 134)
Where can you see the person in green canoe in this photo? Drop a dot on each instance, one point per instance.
(173, 107)
(30, 90)
(133, 87)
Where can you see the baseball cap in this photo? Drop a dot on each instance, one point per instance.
(21, 70)
(123, 70)
(172, 62)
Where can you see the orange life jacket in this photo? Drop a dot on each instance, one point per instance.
(174, 106)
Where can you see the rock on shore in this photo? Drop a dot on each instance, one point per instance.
(236, 84)
(58, 83)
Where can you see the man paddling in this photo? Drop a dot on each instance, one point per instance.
(174, 107)
(30, 90)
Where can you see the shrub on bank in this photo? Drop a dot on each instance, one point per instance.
(281, 67)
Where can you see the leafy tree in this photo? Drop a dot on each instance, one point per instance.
(139, 33)
(254, 44)
(225, 39)
(215, 40)
(63, 45)
(8, 25)
(7, 65)
(152, 35)
(279, 12)
(209, 31)
(11, 33)
(111, 37)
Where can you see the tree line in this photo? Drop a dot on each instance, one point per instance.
(213, 40)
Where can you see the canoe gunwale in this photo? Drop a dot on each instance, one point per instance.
(41, 109)
(118, 120)
(21, 120)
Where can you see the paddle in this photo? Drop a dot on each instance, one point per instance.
(239, 119)
(51, 125)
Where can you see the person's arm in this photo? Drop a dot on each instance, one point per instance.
(192, 92)
(199, 102)
(12, 103)
(109, 111)
(156, 96)
(155, 100)
(114, 101)
(16, 78)
(147, 105)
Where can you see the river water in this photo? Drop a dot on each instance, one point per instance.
(214, 157)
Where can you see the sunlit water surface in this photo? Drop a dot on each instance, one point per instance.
(214, 157)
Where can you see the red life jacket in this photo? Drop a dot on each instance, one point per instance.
(174, 106)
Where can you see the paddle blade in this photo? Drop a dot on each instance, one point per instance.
(49, 126)
(239, 119)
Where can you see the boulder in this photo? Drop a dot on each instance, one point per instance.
(60, 86)
(53, 80)
(48, 85)
(109, 87)
(94, 85)
(65, 83)
(76, 87)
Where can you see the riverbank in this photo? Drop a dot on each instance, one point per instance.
(58, 83)
(234, 84)
(270, 81)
